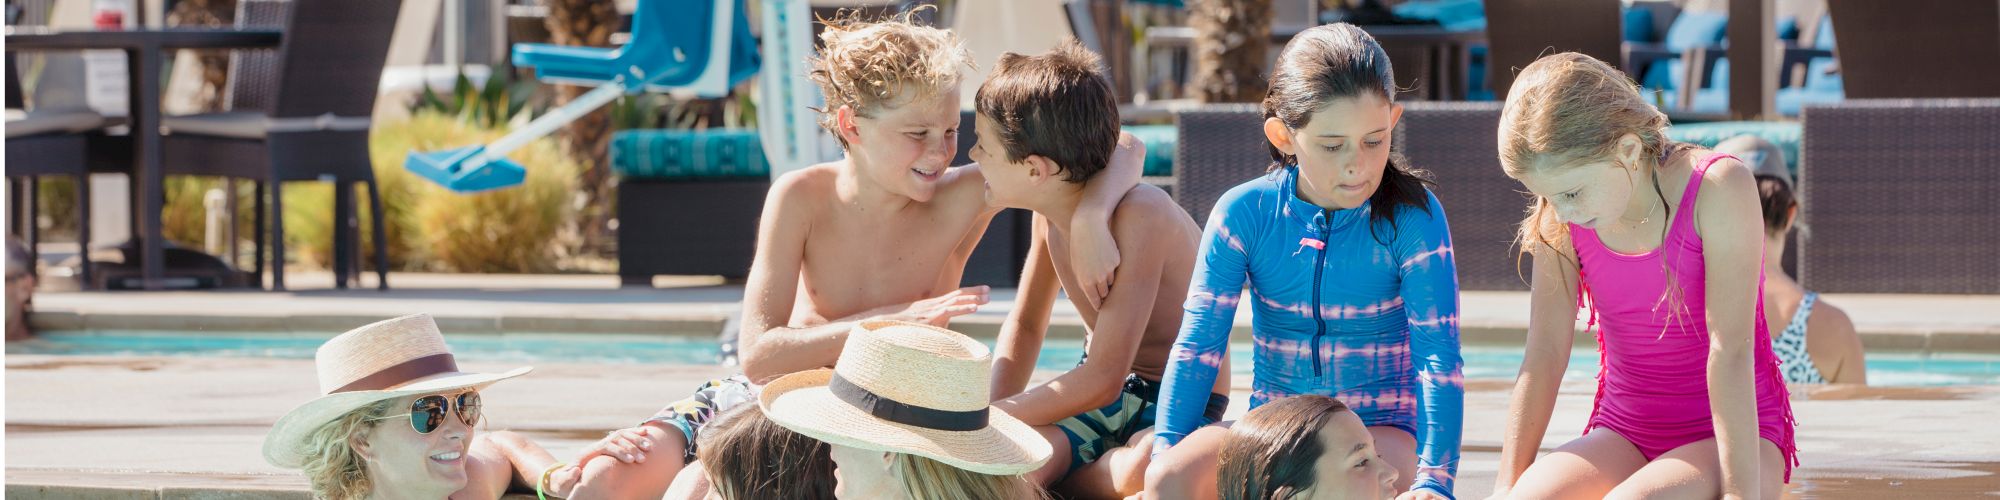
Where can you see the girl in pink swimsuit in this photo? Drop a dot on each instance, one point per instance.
(1664, 241)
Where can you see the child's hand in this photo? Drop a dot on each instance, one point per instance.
(627, 445)
(938, 311)
(1420, 495)
(1094, 255)
(562, 482)
(1156, 447)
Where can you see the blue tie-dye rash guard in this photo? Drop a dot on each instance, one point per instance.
(1363, 311)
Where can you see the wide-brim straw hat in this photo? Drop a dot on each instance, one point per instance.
(908, 388)
(385, 360)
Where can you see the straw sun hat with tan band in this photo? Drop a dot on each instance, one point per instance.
(385, 360)
(908, 388)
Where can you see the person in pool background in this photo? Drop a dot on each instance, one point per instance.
(1817, 344)
(1349, 261)
(20, 291)
(1689, 400)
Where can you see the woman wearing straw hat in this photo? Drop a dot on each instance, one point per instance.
(395, 419)
(907, 413)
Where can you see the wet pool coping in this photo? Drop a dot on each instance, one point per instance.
(1904, 339)
(1904, 323)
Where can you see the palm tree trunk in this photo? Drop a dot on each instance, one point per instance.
(1232, 38)
(588, 140)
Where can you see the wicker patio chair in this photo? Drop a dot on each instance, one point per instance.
(299, 114)
(1899, 196)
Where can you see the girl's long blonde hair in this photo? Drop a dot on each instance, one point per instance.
(335, 470)
(1567, 110)
(926, 479)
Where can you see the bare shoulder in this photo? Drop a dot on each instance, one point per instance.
(814, 181)
(1728, 197)
(1830, 319)
(1148, 212)
(799, 194)
(1728, 173)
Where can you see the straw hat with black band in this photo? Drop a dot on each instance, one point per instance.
(908, 388)
(385, 360)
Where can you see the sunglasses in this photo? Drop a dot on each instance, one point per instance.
(427, 413)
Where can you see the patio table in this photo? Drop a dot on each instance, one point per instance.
(144, 49)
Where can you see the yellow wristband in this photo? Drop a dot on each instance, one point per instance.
(542, 485)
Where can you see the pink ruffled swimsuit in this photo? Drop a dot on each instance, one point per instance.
(1652, 387)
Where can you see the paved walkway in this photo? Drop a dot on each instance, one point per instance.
(701, 306)
(161, 427)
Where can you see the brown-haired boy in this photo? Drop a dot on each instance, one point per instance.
(883, 233)
(1048, 124)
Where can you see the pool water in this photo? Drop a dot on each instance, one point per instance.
(1481, 362)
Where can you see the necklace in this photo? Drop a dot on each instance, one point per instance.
(1643, 220)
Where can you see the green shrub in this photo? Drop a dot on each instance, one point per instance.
(515, 229)
(430, 228)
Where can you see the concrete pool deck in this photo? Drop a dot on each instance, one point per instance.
(702, 306)
(146, 427)
(139, 427)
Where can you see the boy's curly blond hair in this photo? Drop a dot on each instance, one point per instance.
(869, 65)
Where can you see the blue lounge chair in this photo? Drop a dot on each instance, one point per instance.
(698, 47)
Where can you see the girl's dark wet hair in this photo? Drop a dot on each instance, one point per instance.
(1338, 61)
(1271, 452)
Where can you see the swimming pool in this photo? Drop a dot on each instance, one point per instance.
(1481, 362)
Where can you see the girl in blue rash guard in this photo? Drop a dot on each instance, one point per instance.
(1349, 263)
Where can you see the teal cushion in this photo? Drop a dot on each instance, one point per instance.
(1824, 39)
(1638, 24)
(711, 154)
(715, 154)
(1453, 15)
(1788, 28)
(1783, 134)
(1665, 74)
(1159, 141)
(1791, 101)
(1696, 29)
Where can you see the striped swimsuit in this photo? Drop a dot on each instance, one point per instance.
(1364, 311)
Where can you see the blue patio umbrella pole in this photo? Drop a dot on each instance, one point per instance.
(702, 47)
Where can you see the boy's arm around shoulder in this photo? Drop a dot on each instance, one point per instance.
(1120, 326)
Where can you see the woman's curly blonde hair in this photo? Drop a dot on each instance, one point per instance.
(868, 65)
(335, 470)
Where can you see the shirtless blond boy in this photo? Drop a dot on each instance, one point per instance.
(1048, 124)
(884, 233)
